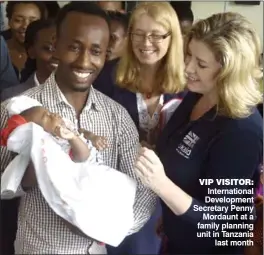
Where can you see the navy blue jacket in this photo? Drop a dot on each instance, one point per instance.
(105, 83)
(212, 147)
(8, 77)
(128, 99)
(18, 89)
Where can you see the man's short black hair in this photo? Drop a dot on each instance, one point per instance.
(89, 8)
(122, 18)
(11, 6)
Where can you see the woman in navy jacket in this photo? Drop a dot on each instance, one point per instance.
(149, 74)
(216, 133)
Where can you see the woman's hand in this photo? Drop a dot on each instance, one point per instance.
(149, 169)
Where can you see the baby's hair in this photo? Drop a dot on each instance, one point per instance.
(26, 114)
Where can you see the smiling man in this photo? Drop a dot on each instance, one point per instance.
(82, 41)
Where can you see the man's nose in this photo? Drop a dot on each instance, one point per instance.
(84, 60)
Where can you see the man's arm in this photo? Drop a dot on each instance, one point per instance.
(145, 201)
(29, 179)
(5, 155)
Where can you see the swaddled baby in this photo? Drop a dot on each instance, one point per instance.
(87, 187)
(54, 124)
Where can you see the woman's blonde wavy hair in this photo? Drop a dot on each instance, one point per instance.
(171, 71)
(237, 47)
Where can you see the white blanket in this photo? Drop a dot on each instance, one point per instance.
(97, 199)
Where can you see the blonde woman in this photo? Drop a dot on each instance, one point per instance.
(149, 74)
(215, 133)
(151, 70)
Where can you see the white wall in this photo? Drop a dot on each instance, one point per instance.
(203, 9)
(254, 13)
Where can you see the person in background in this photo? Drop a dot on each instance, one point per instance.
(20, 14)
(147, 77)
(112, 5)
(8, 220)
(2, 21)
(82, 40)
(215, 133)
(8, 76)
(118, 29)
(185, 15)
(186, 18)
(52, 9)
(40, 46)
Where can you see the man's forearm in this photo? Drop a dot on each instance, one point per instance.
(76, 230)
(29, 180)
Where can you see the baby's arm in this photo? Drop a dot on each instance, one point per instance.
(99, 142)
(79, 149)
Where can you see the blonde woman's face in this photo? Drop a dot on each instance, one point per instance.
(150, 40)
(201, 68)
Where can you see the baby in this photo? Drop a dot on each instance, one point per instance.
(47, 143)
(54, 124)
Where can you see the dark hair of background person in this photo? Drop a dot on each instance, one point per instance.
(89, 8)
(7, 34)
(185, 14)
(53, 9)
(124, 5)
(122, 18)
(11, 5)
(181, 4)
(30, 38)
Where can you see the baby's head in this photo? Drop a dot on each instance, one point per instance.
(42, 117)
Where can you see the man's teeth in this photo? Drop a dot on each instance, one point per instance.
(54, 65)
(82, 75)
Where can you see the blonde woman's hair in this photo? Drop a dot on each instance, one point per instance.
(237, 47)
(171, 71)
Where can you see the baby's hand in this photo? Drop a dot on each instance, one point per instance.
(64, 133)
(99, 142)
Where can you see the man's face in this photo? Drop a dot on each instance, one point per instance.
(117, 42)
(81, 47)
(186, 26)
